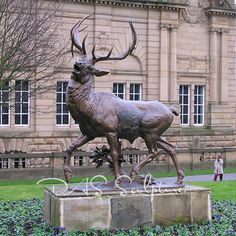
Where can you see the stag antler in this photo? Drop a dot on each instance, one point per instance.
(74, 33)
(122, 56)
(76, 42)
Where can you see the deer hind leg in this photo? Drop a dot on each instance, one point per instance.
(110, 161)
(168, 148)
(121, 169)
(80, 141)
(114, 146)
(153, 153)
(164, 141)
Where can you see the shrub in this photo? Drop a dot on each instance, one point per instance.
(25, 217)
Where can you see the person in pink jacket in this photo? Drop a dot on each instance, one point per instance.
(218, 164)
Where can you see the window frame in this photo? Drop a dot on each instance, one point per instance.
(117, 89)
(21, 102)
(203, 106)
(188, 105)
(9, 106)
(61, 103)
(134, 92)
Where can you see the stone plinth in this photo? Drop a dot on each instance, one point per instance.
(78, 210)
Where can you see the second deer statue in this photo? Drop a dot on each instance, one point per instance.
(106, 115)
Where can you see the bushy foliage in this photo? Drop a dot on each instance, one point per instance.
(25, 217)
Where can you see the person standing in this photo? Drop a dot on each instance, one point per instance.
(218, 164)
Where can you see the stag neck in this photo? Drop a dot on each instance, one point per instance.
(81, 92)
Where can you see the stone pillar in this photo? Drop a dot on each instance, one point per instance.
(127, 90)
(224, 66)
(213, 66)
(173, 66)
(164, 67)
(153, 55)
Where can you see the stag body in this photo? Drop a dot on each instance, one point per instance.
(105, 115)
(102, 113)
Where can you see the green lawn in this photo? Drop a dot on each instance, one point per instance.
(23, 189)
(189, 172)
(225, 190)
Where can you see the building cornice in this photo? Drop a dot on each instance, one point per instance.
(216, 11)
(159, 4)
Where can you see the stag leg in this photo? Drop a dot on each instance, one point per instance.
(164, 141)
(80, 141)
(153, 153)
(114, 146)
(171, 151)
(121, 170)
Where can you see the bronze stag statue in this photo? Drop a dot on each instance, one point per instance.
(106, 115)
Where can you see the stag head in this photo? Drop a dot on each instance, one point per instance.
(85, 65)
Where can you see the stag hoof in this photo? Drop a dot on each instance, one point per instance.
(179, 181)
(67, 173)
(180, 178)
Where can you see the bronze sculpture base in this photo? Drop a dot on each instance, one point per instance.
(82, 209)
(126, 186)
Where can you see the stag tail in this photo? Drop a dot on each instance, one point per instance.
(174, 111)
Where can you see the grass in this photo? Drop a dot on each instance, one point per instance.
(23, 189)
(189, 172)
(225, 190)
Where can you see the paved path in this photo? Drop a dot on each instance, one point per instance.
(199, 178)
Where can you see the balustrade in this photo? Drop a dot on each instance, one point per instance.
(83, 159)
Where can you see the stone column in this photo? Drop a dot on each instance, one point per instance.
(164, 67)
(213, 66)
(224, 66)
(173, 66)
(152, 55)
(127, 90)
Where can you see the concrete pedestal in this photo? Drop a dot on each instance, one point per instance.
(126, 209)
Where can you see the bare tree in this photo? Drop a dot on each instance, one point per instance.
(30, 47)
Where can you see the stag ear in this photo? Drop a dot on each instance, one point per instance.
(102, 72)
(98, 72)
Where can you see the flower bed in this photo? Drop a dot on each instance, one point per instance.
(25, 217)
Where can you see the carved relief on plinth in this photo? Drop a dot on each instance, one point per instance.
(194, 13)
(103, 38)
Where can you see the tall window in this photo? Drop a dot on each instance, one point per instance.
(4, 104)
(192, 104)
(135, 92)
(184, 101)
(198, 105)
(119, 90)
(62, 113)
(22, 102)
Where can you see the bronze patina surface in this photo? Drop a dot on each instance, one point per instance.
(106, 115)
(127, 187)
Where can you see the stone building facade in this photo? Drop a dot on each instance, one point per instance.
(185, 57)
